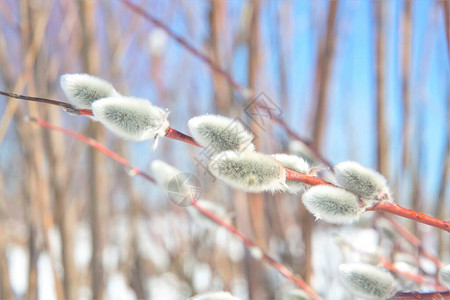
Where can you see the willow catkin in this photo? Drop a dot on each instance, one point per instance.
(249, 171)
(332, 204)
(83, 89)
(131, 118)
(218, 134)
(361, 180)
(367, 281)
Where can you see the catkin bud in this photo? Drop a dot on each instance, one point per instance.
(249, 171)
(131, 118)
(361, 180)
(367, 281)
(218, 134)
(295, 163)
(444, 275)
(83, 89)
(332, 204)
(214, 296)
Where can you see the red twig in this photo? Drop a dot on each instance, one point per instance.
(398, 210)
(249, 243)
(414, 277)
(176, 135)
(413, 240)
(266, 258)
(308, 179)
(97, 146)
(422, 296)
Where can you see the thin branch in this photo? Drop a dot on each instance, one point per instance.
(421, 296)
(388, 207)
(413, 240)
(135, 170)
(66, 106)
(393, 208)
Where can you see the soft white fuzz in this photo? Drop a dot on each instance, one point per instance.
(444, 275)
(295, 294)
(83, 89)
(361, 180)
(332, 204)
(218, 134)
(214, 296)
(249, 171)
(203, 220)
(131, 118)
(295, 163)
(367, 281)
(163, 172)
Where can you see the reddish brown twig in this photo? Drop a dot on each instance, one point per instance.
(176, 135)
(66, 106)
(308, 179)
(97, 146)
(266, 258)
(398, 210)
(249, 243)
(413, 240)
(421, 296)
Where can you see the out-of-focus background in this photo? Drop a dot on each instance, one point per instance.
(363, 80)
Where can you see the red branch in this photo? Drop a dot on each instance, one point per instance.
(413, 240)
(421, 296)
(96, 145)
(176, 135)
(249, 243)
(398, 210)
(308, 179)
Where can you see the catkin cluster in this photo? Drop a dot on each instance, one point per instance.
(129, 117)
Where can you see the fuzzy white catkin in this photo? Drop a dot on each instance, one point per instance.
(249, 171)
(332, 204)
(444, 275)
(83, 89)
(218, 134)
(163, 172)
(295, 294)
(214, 296)
(131, 118)
(367, 281)
(295, 163)
(361, 180)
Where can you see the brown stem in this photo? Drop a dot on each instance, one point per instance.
(66, 106)
(398, 210)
